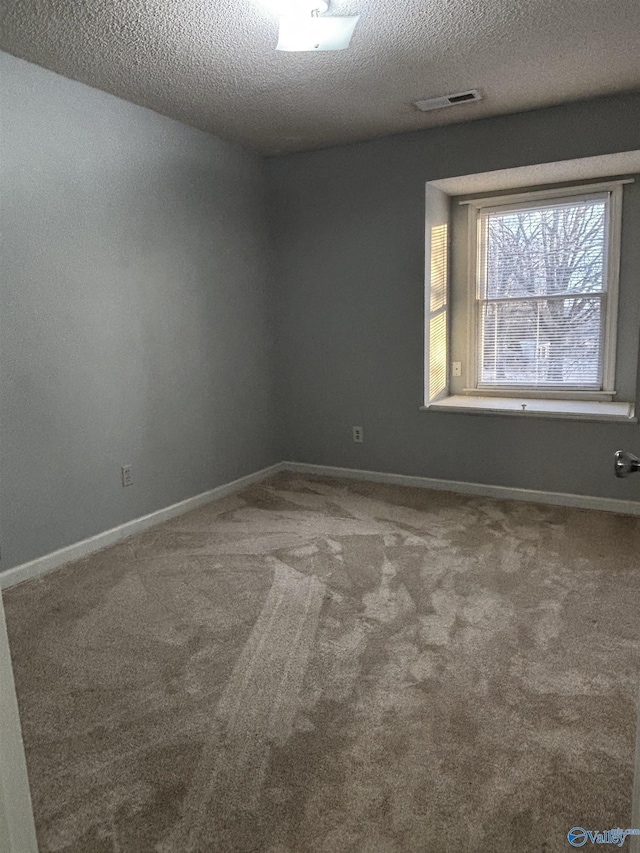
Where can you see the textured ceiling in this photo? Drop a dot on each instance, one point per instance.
(212, 63)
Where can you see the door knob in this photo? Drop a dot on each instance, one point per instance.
(625, 463)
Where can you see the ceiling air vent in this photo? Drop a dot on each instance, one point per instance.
(447, 100)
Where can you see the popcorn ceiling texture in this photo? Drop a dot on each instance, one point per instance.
(213, 64)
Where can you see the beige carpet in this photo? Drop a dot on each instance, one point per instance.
(335, 667)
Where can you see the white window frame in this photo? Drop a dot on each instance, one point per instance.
(611, 190)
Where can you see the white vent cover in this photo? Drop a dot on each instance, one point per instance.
(448, 100)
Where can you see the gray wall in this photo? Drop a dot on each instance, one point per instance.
(139, 322)
(135, 322)
(349, 243)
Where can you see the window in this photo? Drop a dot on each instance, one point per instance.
(545, 294)
(521, 299)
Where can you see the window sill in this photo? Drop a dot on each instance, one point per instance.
(563, 396)
(582, 410)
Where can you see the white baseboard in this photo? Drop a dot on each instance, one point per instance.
(622, 507)
(41, 565)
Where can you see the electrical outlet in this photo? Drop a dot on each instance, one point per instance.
(457, 368)
(127, 475)
(357, 434)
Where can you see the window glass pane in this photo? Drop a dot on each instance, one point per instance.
(541, 343)
(544, 251)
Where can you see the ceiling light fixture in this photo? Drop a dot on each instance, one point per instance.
(305, 30)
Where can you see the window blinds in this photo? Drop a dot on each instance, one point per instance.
(541, 294)
(437, 316)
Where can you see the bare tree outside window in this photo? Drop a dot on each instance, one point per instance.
(541, 295)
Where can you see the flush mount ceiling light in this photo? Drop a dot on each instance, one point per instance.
(304, 29)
